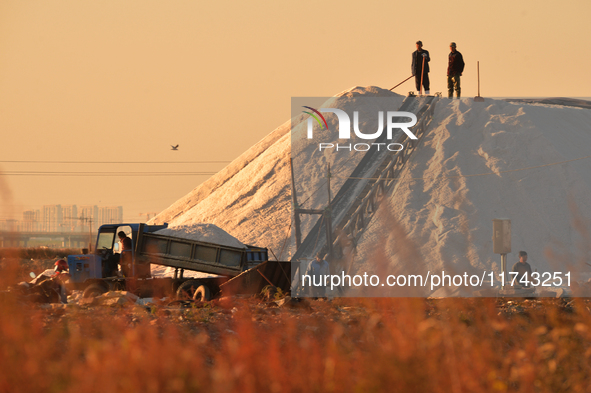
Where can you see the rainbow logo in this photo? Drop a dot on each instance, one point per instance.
(315, 117)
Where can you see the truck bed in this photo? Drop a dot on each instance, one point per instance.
(196, 255)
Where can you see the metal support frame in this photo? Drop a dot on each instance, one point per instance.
(370, 197)
(504, 270)
(296, 208)
(386, 180)
(326, 213)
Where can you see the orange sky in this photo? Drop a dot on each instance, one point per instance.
(122, 80)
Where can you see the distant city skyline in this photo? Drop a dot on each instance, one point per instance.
(65, 218)
(95, 93)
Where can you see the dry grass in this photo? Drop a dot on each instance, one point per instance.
(26, 260)
(361, 345)
(38, 252)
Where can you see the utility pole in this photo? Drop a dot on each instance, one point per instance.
(90, 235)
(89, 220)
(148, 215)
(294, 198)
(326, 214)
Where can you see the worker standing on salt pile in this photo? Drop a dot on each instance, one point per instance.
(522, 268)
(455, 68)
(420, 67)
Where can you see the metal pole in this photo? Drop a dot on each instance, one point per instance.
(296, 214)
(401, 82)
(422, 72)
(504, 270)
(329, 217)
(328, 182)
(90, 235)
(478, 72)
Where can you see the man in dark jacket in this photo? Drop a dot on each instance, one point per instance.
(455, 68)
(420, 57)
(125, 257)
(523, 270)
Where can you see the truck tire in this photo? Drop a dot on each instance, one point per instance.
(202, 294)
(94, 290)
(187, 289)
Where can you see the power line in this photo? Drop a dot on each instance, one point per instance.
(111, 162)
(58, 173)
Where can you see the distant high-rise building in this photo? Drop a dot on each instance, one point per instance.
(31, 221)
(9, 225)
(67, 218)
(110, 215)
(88, 215)
(70, 218)
(52, 218)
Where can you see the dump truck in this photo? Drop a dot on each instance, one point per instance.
(96, 273)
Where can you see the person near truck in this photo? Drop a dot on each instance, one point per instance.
(317, 269)
(60, 278)
(125, 258)
(455, 68)
(523, 270)
(420, 67)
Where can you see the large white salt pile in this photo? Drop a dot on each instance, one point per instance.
(477, 162)
(482, 161)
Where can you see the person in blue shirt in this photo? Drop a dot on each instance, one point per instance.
(317, 270)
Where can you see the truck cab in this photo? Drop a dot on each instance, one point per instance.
(104, 261)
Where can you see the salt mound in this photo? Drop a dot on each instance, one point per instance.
(481, 161)
(251, 197)
(477, 162)
(209, 233)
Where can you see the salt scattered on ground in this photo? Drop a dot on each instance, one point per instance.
(167, 271)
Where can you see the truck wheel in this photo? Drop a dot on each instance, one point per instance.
(53, 296)
(187, 289)
(202, 294)
(94, 290)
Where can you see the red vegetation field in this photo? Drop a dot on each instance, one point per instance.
(249, 345)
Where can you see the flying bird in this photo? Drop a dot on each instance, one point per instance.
(174, 147)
